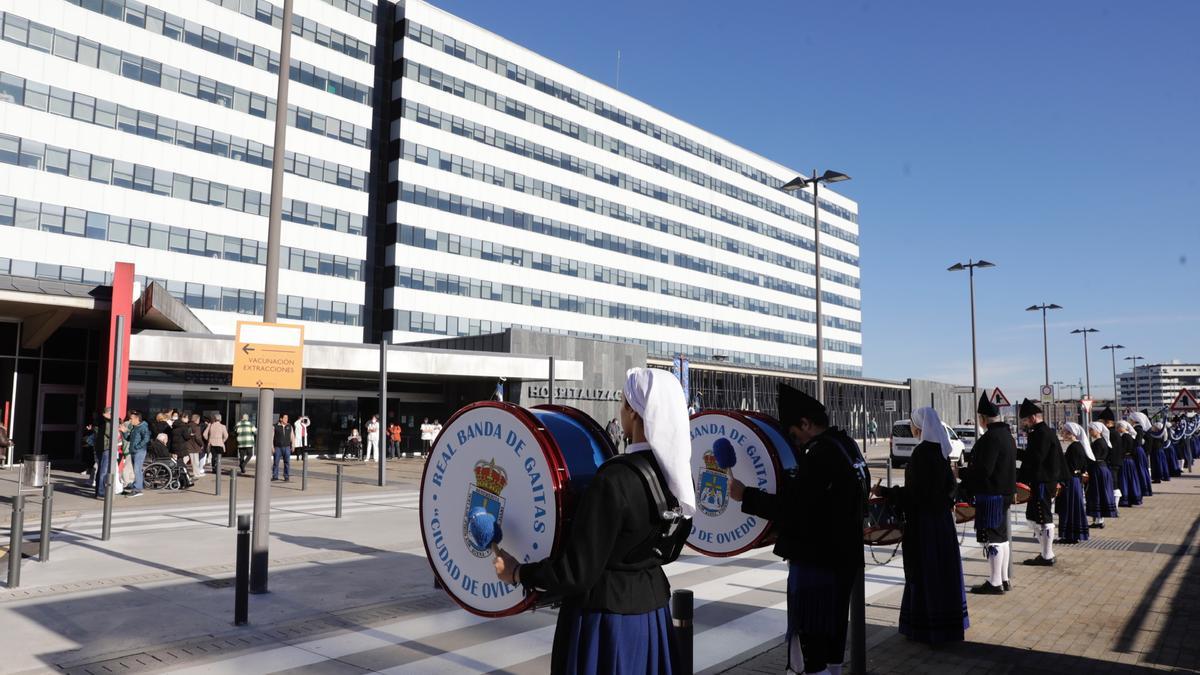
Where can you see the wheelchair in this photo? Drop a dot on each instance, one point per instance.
(165, 474)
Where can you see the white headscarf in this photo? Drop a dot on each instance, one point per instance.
(1077, 432)
(1102, 430)
(657, 397)
(1140, 419)
(932, 430)
(1125, 427)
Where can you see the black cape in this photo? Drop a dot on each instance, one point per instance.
(993, 469)
(1042, 458)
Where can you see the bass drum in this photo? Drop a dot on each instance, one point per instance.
(764, 455)
(528, 468)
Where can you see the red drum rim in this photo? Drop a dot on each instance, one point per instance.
(1022, 494)
(886, 535)
(558, 478)
(964, 513)
(769, 533)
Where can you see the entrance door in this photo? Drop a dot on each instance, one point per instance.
(59, 422)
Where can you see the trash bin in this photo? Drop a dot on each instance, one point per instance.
(35, 470)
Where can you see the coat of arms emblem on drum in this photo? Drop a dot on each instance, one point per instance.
(713, 494)
(490, 480)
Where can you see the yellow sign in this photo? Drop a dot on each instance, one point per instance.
(268, 356)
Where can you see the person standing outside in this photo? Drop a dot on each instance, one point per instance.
(372, 439)
(873, 431)
(137, 441)
(426, 435)
(283, 441)
(1042, 465)
(394, 435)
(104, 429)
(246, 434)
(991, 477)
(215, 436)
(301, 433)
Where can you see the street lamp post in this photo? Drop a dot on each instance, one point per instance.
(1087, 373)
(796, 184)
(970, 266)
(1137, 394)
(1045, 335)
(1112, 349)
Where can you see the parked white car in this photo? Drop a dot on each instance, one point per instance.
(903, 442)
(967, 433)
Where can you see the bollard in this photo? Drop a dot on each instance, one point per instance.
(858, 623)
(232, 496)
(16, 536)
(304, 472)
(682, 602)
(217, 474)
(337, 506)
(47, 510)
(241, 587)
(889, 469)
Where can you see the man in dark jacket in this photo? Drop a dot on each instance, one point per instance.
(1042, 467)
(991, 478)
(819, 515)
(137, 439)
(282, 440)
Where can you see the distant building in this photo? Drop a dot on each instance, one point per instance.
(1156, 385)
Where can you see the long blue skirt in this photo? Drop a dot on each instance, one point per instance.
(1131, 485)
(1172, 460)
(1159, 461)
(1143, 469)
(602, 643)
(934, 607)
(1101, 502)
(1072, 518)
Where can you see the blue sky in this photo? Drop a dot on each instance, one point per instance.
(1060, 140)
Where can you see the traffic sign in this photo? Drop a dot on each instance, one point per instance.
(889, 406)
(1086, 403)
(1185, 402)
(1047, 393)
(999, 399)
(268, 356)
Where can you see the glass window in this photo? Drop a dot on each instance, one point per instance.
(139, 233)
(37, 96)
(8, 206)
(56, 160)
(89, 53)
(80, 164)
(64, 46)
(110, 60)
(27, 214)
(158, 237)
(131, 66)
(12, 89)
(41, 37)
(9, 149)
(85, 108)
(74, 224)
(106, 114)
(16, 29)
(127, 119)
(122, 174)
(60, 101)
(101, 170)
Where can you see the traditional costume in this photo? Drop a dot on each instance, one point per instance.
(1161, 431)
(1100, 501)
(934, 607)
(615, 616)
(1141, 458)
(991, 479)
(1131, 477)
(819, 515)
(1072, 516)
(1159, 469)
(1042, 467)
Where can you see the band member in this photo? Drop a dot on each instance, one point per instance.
(1101, 502)
(615, 615)
(1072, 516)
(1153, 445)
(1140, 457)
(1131, 480)
(934, 607)
(1041, 468)
(819, 514)
(991, 478)
(1161, 432)
(1116, 455)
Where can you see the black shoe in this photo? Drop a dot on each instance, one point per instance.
(1040, 561)
(274, 479)
(986, 588)
(1097, 526)
(1006, 586)
(288, 479)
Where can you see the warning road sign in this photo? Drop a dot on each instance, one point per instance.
(998, 398)
(268, 356)
(1185, 402)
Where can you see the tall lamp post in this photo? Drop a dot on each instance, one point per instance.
(1087, 373)
(1112, 349)
(1137, 394)
(1045, 336)
(796, 184)
(970, 266)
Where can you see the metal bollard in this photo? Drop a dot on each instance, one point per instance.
(16, 536)
(232, 496)
(47, 511)
(304, 472)
(241, 587)
(889, 469)
(858, 623)
(337, 506)
(217, 474)
(682, 602)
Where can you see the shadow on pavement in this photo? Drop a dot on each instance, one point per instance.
(1176, 642)
(898, 655)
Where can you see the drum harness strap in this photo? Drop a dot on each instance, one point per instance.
(664, 544)
(859, 465)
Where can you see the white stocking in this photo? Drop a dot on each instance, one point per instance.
(995, 556)
(1048, 541)
(1005, 558)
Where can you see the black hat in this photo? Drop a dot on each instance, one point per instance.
(1107, 415)
(795, 404)
(986, 407)
(1028, 409)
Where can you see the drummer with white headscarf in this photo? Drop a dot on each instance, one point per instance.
(615, 615)
(1069, 505)
(934, 608)
(1100, 498)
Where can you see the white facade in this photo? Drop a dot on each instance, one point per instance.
(1157, 385)
(112, 83)
(527, 194)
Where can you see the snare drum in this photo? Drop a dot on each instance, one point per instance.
(885, 523)
(527, 467)
(764, 455)
(1022, 494)
(963, 513)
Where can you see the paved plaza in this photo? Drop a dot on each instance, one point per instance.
(355, 595)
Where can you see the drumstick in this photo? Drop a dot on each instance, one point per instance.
(484, 531)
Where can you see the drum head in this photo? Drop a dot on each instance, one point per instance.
(1022, 495)
(495, 456)
(963, 513)
(719, 527)
(883, 536)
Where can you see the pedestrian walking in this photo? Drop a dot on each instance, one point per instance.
(372, 439)
(1072, 514)
(246, 437)
(992, 479)
(1041, 469)
(818, 510)
(215, 435)
(137, 442)
(933, 609)
(873, 431)
(615, 616)
(282, 440)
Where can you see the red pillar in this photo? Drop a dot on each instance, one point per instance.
(122, 305)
